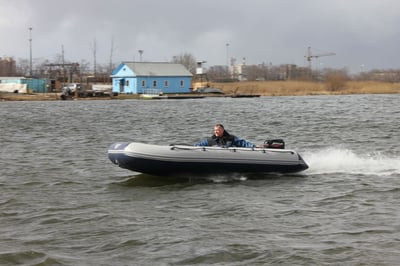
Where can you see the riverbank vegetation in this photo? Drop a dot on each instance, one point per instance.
(263, 88)
(242, 79)
(296, 88)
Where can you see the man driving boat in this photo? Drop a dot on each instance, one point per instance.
(222, 138)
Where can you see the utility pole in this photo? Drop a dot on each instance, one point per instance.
(227, 61)
(63, 62)
(94, 57)
(140, 55)
(227, 55)
(30, 52)
(62, 54)
(111, 55)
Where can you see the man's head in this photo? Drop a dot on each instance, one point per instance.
(219, 130)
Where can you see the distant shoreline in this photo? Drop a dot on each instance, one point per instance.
(302, 88)
(256, 88)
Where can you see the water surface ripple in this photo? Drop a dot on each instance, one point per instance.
(63, 203)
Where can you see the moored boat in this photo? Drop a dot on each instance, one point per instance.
(185, 159)
(153, 96)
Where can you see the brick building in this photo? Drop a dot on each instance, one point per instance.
(7, 67)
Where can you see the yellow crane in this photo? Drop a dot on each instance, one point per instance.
(310, 56)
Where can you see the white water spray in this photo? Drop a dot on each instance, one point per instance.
(337, 160)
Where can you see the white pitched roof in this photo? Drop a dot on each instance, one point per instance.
(158, 69)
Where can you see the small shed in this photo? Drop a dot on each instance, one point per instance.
(32, 84)
(151, 77)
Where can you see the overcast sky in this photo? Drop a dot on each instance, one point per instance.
(364, 34)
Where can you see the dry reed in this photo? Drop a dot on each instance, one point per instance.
(295, 88)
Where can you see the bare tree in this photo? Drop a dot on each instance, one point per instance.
(22, 67)
(219, 73)
(186, 59)
(84, 67)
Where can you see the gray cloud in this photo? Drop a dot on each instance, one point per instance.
(360, 32)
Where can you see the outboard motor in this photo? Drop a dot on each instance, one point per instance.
(274, 144)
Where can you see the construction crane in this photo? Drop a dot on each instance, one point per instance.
(310, 56)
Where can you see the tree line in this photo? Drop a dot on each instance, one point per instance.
(218, 73)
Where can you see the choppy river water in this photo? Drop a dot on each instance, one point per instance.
(62, 202)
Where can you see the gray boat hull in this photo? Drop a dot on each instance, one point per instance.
(182, 159)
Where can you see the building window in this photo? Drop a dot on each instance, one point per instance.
(166, 84)
(143, 83)
(127, 83)
(182, 83)
(154, 83)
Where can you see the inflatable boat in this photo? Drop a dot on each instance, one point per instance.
(193, 160)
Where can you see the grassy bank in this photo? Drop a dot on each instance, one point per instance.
(264, 88)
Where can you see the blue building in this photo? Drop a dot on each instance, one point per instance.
(151, 77)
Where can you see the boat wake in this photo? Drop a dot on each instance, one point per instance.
(337, 160)
(226, 178)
